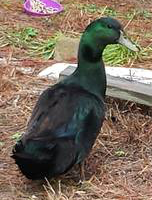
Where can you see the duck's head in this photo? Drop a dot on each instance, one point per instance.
(102, 32)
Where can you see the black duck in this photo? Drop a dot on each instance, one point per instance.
(69, 115)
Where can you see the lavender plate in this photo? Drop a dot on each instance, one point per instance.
(42, 7)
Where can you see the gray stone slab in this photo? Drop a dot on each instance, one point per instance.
(67, 72)
(129, 90)
(122, 88)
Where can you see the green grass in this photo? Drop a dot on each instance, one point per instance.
(16, 136)
(6, 3)
(18, 38)
(120, 55)
(93, 9)
(130, 15)
(145, 14)
(88, 8)
(145, 53)
(29, 40)
(110, 12)
(44, 48)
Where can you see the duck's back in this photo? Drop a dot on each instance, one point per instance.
(62, 129)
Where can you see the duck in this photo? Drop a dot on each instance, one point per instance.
(68, 116)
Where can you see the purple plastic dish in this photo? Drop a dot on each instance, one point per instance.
(49, 3)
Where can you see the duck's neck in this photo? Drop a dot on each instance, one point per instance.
(91, 71)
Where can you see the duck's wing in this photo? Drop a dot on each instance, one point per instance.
(62, 129)
(61, 111)
(52, 110)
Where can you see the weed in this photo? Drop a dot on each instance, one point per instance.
(118, 55)
(145, 53)
(88, 8)
(130, 15)
(6, 3)
(30, 32)
(148, 35)
(93, 8)
(27, 39)
(44, 48)
(144, 13)
(120, 153)
(1, 144)
(25, 35)
(16, 136)
(139, 13)
(110, 12)
(20, 38)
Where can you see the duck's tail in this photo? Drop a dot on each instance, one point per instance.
(38, 160)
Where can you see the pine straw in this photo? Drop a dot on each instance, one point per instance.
(119, 167)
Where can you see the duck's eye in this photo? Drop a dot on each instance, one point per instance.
(109, 26)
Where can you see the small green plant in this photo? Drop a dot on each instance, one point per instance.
(90, 8)
(29, 33)
(144, 13)
(18, 38)
(139, 13)
(120, 153)
(130, 15)
(1, 144)
(44, 48)
(27, 39)
(145, 53)
(16, 136)
(93, 8)
(6, 3)
(110, 12)
(25, 35)
(118, 55)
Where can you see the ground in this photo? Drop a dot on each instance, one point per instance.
(120, 165)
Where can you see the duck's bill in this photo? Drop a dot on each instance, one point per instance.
(126, 42)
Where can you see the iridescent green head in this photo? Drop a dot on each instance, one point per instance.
(100, 33)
